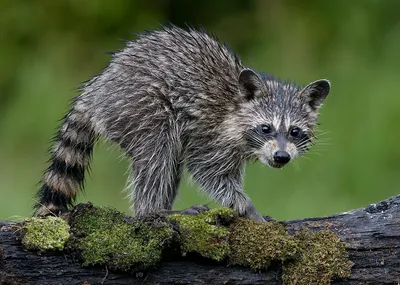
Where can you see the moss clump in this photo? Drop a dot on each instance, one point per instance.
(45, 234)
(205, 233)
(104, 236)
(307, 257)
(322, 258)
(256, 244)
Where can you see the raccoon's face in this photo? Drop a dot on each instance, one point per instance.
(276, 145)
(278, 118)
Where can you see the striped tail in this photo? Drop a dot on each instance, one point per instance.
(70, 157)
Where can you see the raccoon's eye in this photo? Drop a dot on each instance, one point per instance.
(266, 129)
(295, 132)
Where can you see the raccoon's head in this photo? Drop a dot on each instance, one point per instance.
(278, 118)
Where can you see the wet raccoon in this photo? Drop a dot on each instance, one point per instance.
(173, 99)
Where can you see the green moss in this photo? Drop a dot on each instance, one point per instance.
(205, 233)
(44, 234)
(322, 258)
(104, 236)
(256, 244)
(307, 257)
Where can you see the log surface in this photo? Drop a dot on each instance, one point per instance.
(372, 235)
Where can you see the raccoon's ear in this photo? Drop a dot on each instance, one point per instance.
(316, 92)
(250, 84)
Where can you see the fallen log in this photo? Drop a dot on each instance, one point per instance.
(371, 235)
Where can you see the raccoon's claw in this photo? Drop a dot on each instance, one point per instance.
(195, 210)
(268, 219)
(256, 217)
(259, 218)
(252, 214)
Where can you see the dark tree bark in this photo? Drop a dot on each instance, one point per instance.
(372, 236)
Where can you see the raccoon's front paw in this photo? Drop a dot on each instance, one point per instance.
(194, 210)
(256, 217)
(252, 214)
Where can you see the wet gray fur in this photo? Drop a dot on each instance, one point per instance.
(173, 99)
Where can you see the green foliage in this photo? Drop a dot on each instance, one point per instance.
(49, 47)
(43, 234)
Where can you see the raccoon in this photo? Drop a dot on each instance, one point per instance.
(175, 99)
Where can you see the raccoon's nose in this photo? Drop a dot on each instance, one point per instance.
(281, 157)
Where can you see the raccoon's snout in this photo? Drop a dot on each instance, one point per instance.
(281, 157)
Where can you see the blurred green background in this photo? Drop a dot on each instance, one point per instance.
(48, 48)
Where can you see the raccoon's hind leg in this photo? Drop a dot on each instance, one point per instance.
(156, 170)
(70, 157)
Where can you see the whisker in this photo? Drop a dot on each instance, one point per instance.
(314, 153)
(306, 157)
(321, 133)
(253, 140)
(296, 167)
